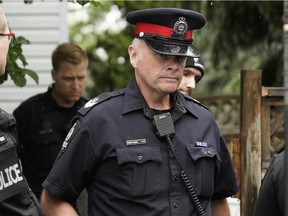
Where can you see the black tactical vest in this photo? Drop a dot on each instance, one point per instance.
(15, 196)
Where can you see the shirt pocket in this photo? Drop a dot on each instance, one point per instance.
(139, 174)
(205, 162)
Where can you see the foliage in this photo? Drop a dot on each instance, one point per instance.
(14, 69)
(16, 61)
(106, 73)
(93, 2)
(113, 72)
(246, 35)
(238, 35)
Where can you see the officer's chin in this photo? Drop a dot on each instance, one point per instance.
(74, 98)
(184, 92)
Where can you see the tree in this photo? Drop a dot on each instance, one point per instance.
(238, 35)
(248, 35)
(16, 61)
(16, 64)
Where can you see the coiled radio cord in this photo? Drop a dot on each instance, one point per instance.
(186, 182)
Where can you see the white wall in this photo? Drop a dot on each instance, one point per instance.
(45, 25)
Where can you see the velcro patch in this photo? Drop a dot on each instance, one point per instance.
(71, 134)
(11, 177)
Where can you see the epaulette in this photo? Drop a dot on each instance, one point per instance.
(99, 99)
(196, 101)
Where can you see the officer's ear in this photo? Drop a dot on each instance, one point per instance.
(133, 56)
(53, 74)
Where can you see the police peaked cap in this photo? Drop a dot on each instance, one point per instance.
(167, 31)
(195, 62)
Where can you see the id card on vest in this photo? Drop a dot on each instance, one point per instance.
(11, 176)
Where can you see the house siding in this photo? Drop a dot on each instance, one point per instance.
(44, 24)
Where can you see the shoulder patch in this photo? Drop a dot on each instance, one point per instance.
(99, 99)
(73, 131)
(196, 101)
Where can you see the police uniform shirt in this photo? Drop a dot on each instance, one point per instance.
(42, 126)
(115, 152)
(271, 200)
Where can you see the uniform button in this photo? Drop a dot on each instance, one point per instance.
(176, 178)
(175, 205)
(140, 157)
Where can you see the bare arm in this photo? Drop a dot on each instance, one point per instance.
(52, 206)
(220, 207)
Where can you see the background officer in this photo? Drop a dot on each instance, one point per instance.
(193, 73)
(44, 119)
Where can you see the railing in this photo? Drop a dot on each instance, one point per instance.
(261, 133)
(226, 111)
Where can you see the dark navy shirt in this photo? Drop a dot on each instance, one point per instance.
(271, 200)
(113, 150)
(42, 125)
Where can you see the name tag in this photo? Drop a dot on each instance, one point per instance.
(11, 177)
(136, 142)
(201, 144)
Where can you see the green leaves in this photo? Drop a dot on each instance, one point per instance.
(82, 2)
(28, 1)
(16, 64)
(96, 3)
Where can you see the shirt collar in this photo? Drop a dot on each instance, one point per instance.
(133, 98)
(189, 104)
(135, 101)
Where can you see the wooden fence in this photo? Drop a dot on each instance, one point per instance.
(261, 133)
(253, 125)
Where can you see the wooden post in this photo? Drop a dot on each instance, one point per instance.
(265, 137)
(250, 139)
(285, 58)
(234, 149)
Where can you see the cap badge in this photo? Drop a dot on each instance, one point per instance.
(141, 34)
(180, 28)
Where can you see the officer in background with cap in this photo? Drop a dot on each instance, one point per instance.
(136, 150)
(192, 74)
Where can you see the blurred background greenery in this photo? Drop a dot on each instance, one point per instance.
(238, 35)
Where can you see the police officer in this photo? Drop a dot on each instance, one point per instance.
(271, 199)
(15, 196)
(193, 73)
(137, 149)
(44, 120)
